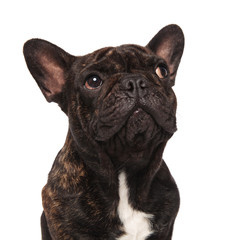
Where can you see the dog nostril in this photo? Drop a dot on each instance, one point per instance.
(130, 85)
(141, 83)
(134, 85)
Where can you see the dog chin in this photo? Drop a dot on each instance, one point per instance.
(140, 129)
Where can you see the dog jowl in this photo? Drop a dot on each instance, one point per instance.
(109, 180)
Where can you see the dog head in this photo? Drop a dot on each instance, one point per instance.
(118, 96)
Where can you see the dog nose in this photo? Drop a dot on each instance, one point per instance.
(134, 86)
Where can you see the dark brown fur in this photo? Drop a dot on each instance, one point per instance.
(122, 125)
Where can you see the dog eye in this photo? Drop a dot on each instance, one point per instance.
(162, 71)
(93, 82)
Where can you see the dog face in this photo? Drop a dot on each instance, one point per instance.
(120, 97)
(129, 91)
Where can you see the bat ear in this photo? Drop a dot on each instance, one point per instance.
(48, 65)
(168, 44)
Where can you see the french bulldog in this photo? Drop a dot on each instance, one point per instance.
(109, 181)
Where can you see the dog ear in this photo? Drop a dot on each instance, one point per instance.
(168, 44)
(48, 65)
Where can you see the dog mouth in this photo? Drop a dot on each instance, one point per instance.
(140, 128)
(136, 128)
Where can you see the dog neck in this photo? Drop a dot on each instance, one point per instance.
(107, 167)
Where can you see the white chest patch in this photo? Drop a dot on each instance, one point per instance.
(137, 225)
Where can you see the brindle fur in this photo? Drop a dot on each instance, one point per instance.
(80, 199)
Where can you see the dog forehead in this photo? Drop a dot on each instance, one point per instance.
(131, 56)
(132, 50)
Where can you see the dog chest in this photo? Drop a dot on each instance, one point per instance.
(136, 224)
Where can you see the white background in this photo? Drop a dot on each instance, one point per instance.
(203, 155)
